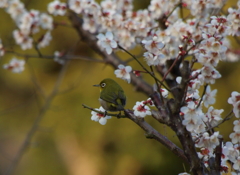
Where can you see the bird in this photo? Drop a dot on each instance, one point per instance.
(112, 97)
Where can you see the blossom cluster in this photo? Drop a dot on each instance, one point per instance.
(205, 40)
(15, 65)
(28, 24)
(163, 36)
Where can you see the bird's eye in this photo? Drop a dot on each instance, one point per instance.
(103, 85)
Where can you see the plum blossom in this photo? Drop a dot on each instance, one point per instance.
(236, 125)
(28, 22)
(89, 24)
(235, 97)
(204, 154)
(193, 96)
(179, 80)
(45, 40)
(123, 72)
(208, 141)
(23, 40)
(101, 118)
(235, 136)
(141, 110)
(210, 74)
(164, 92)
(154, 60)
(15, 65)
(109, 7)
(235, 101)
(2, 50)
(149, 102)
(236, 164)
(156, 8)
(213, 116)
(193, 117)
(77, 5)
(3, 3)
(236, 109)
(57, 8)
(230, 151)
(233, 18)
(153, 45)
(57, 57)
(46, 21)
(15, 8)
(209, 97)
(127, 40)
(107, 42)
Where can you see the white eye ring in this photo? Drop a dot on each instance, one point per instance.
(103, 85)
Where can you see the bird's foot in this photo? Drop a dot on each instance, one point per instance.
(105, 113)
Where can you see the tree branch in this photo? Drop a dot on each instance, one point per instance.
(36, 123)
(154, 134)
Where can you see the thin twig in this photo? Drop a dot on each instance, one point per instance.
(227, 117)
(35, 44)
(65, 57)
(174, 8)
(35, 82)
(204, 91)
(158, 87)
(36, 123)
(165, 75)
(150, 73)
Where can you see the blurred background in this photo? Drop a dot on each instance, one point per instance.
(67, 141)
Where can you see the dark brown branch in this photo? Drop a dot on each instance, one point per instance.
(171, 118)
(154, 134)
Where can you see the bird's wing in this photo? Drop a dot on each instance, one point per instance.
(122, 98)
(115, 98)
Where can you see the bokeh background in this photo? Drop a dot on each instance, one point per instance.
(67, 141)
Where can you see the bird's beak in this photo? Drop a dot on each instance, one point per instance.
(96, 85)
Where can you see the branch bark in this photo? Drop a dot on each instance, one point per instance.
(154, 134)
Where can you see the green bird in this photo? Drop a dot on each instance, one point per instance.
(112, 97)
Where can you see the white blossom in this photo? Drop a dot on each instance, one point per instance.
(101, 118)
(15, 65)
(123, 72)
(57, 57)
(57, 8)
(209, 97)
(179, 80)
(193, 116)
(208, 141)
(46, 21)
(2, 50)
(24, 41)
(154, 60)
(214, 116)
(107, 42)
(45, 40)
(235, 101)
(141, 110)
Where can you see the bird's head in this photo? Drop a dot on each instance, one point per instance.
(105, 83)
